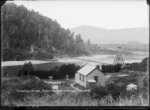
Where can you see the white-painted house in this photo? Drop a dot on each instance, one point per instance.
(90, 74)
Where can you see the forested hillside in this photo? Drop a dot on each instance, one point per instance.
(22, 29)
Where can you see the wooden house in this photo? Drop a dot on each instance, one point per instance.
(89, 75)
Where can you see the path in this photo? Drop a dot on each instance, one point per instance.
(72, 85)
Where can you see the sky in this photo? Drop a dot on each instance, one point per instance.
(106, 14)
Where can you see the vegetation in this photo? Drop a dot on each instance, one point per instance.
(113, 94)
(23, 29)
(79, 86)
(116, 89)
(17, 89)
(111, 68)
(56, 72)
(142, 66)
(11, 97)
(28, 34)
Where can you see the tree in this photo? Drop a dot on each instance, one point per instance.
(22, 28)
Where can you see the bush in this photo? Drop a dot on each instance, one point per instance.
(142, 66)
(17, 96)
(27, 69)
(111, 68)
(99, 92)
(110, 89)
(15, 54)
(57, 72)
(114, 90)
(42, 55)
(16, 90)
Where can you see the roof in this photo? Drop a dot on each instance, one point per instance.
(131, 85)
(91, 80)
(86, 69)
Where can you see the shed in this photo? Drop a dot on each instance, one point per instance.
(131, 87)
(55, 87)
(90, 74)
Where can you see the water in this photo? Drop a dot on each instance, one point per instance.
(136, 57)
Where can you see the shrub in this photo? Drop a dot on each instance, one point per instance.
(142, 66)
(114, 90)
(14, 95)
(111, 68)
(42, 55)
(110, 89)
(57, 72)
(27, 69)
(99, 92)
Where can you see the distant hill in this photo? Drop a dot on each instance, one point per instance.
(105, 36)
(128, 46)
(131, 39)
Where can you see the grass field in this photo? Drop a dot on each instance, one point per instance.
(11, 97)
(13, 68)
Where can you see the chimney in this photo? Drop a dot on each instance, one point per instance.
(97, 66)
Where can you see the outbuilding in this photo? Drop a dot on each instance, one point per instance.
(90, 74)
(131, 87)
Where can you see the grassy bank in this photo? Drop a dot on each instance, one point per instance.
(12, 97)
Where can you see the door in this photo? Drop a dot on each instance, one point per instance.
(96, 78)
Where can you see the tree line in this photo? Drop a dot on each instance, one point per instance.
(56, 72)
(23, 28)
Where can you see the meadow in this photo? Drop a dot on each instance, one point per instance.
(30, 90)
(33, 95)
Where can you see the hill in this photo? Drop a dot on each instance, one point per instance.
(131, 38)
(23, 29)
(101, 35)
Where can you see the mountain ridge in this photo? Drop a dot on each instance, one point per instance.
(101, 35)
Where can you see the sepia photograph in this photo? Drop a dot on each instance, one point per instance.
(71, 53)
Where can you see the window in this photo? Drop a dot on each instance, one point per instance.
(96, 78)
(80, 76)
(83, 78)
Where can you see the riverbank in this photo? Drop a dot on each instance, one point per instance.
(84, 59)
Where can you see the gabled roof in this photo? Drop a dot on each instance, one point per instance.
(86, 69)
(131, 85)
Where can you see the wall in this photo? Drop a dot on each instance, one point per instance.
(101, 76)
(77, 79)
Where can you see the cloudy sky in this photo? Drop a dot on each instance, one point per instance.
(105, 14)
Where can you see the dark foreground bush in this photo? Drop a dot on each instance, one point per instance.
(142, 66)
(56, 72)
(27, 69)
(16, 90)
(99, 92)
(111, 68)
(110, 89)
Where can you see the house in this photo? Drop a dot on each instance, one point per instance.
(131, 87)
(90, 74)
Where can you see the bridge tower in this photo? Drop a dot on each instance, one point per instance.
(118, 58)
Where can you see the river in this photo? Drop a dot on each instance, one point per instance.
(108, 59)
